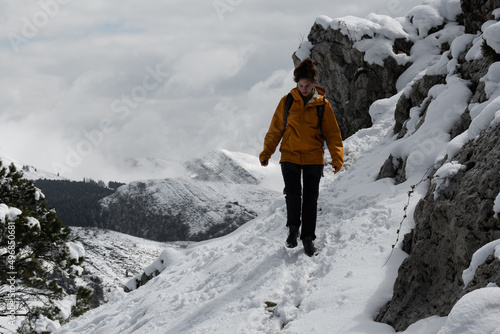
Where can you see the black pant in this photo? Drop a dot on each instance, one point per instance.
(296, 203)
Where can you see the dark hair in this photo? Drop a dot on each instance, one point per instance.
(305, 70)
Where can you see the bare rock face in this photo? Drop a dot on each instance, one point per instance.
(476, 12)
(352, 84)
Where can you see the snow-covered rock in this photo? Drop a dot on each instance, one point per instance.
(476, 312)
(366, 56)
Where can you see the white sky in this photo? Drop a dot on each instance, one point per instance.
(87, 84)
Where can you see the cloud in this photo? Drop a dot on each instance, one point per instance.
(206, 67)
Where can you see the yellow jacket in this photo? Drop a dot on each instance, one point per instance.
(302, 143)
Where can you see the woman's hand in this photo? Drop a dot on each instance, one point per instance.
(264, 163)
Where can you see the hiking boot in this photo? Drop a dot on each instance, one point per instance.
(309, 248)
(293, 234)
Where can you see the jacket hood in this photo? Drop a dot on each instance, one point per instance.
(320, 91)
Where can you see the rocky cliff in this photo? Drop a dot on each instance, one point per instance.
(352, 79)
(440, 61)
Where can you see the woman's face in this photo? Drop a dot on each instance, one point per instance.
(305, 86)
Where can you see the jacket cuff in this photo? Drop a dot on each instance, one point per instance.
(264, 156)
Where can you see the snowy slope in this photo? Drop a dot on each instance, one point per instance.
(108, 256)
(30, 172)
(247, 282)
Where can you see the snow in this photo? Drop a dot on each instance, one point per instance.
(443, 175)
(30, 172)
(39, 195)
(32, 222)
(8, 213)
(433, 13)
(375, 35)
(424, 18)
(475, 52)
(492, 36)
(44, 325)
(357, 28)
(483, 115)
(304, 50)
(476, 312)
(381, 31)
(496, 13)
(65, 306)
(426, 55)
(234, 168)
(492, 80)
(496, 207)
(167, 258)
(76, 250)
(425, 145)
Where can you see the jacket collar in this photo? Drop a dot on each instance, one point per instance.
(317, 98)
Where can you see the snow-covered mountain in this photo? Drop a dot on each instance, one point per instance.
(227, 167)
(221, 191)
(247, 282)
(182, 208)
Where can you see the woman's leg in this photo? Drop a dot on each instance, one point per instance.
(312, 176)
(293, 192)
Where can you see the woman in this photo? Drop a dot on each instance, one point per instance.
(302, 155)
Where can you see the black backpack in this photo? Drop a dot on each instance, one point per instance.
(320, 109)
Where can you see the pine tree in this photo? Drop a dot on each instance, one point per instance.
(37, 268)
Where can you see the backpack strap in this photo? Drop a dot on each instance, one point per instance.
(320, 109)
(288, 105)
